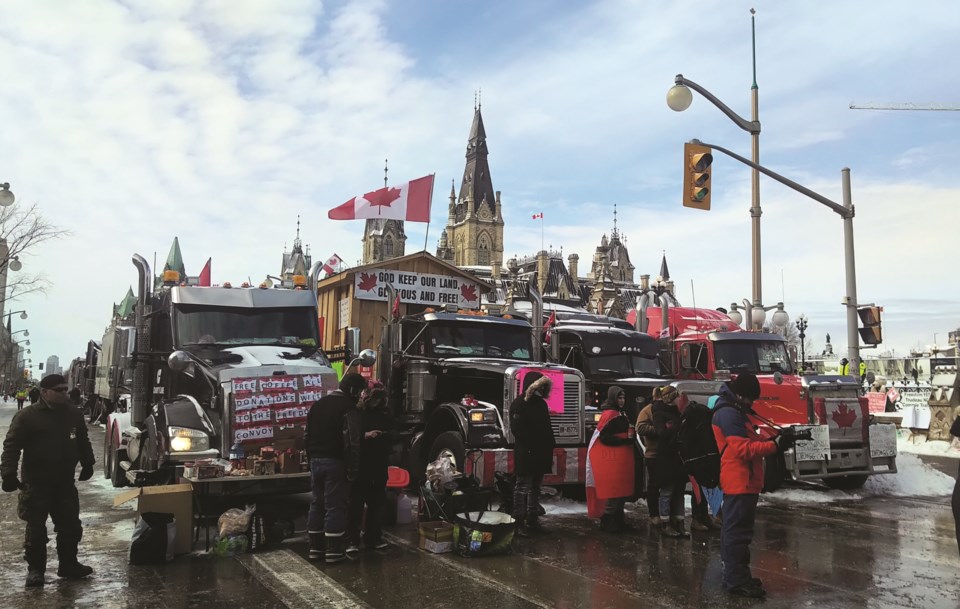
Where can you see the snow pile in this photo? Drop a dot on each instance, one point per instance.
(914, 478)
(936, 448)
(562, 505)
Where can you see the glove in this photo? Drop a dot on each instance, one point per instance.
(10, 484)
(86, 472)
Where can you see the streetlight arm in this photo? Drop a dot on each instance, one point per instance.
(751, 127)
(839, 209)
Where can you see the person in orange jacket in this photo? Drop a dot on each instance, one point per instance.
(610, 462)
(742, 450)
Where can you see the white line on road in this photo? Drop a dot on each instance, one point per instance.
(297, 582)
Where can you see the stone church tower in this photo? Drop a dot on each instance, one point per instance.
(383, 239)
(474, 232)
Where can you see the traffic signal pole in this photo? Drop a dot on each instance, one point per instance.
(845, 211)
(853, 336)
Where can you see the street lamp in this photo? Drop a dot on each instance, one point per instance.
(679, 99)
(757, 315)
(23, 314)
(6, 195)
(802, 329)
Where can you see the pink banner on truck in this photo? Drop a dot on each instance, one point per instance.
(555, 401)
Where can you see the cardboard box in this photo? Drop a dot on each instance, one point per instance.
(176, 499)
(289, 432)
(289, 462)
(436, 536)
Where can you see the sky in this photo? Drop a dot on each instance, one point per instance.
(219, 122)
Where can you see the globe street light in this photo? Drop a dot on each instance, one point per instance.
(679, 99)
(6, 195)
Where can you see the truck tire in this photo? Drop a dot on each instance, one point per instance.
(451, 442)
(107, 454)
(846, 483)
(774, 472)
(118, 476)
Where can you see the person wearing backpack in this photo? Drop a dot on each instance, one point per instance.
(742, 451)
(645, 430)
(670, 476)
(701, 460)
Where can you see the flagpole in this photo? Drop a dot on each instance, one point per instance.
(426, 237)
(541, 231)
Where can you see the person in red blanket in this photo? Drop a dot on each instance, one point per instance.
(742, 450)
(610, 463)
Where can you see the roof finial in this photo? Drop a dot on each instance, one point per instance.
(474, 101)
(479, 98)
(614, 219)
(384, 173)
(298, 227)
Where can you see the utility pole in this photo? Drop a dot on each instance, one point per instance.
(853, 335)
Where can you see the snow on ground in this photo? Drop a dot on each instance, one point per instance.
(563, 505)
(914, 478)
(917, 445)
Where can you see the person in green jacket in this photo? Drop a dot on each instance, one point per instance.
(52, 436)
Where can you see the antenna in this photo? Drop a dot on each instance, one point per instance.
(384, 173)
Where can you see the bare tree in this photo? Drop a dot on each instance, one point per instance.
(21, 229)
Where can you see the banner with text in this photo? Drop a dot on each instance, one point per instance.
(263, 405)
(417, 288)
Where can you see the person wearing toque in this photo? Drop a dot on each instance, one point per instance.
(52, 437)
(742, 451)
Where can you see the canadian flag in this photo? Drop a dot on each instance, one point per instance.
(538, 216)
(409, 201)
(548, 327)
(330, 266)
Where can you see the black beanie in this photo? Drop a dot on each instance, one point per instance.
(352, 384)
(52, 380)
(746, 385)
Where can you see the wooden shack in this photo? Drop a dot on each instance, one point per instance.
(358, 297)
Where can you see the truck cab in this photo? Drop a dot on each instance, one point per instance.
(451, 377)
(192, 344)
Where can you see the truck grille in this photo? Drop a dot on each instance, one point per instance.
(567, 427)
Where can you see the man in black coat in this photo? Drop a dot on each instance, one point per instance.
(532, 450)
(52, 436)
(327, 518)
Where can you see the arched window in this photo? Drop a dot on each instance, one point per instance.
(483, 253)
(388, 247)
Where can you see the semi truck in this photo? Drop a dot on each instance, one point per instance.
(214, 369)
(451, 376)
(706, 346)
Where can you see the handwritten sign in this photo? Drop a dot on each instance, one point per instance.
(877, 401)
(417, 288)
(815, 449)
(261, 405)
(248, 434)
(883, 441)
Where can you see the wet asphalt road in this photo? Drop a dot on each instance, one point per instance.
(872, 553)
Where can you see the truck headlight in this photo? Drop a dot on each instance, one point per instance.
(486, 415)
(184, 439)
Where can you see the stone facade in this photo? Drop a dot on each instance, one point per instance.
(473, 235)
(383, 240)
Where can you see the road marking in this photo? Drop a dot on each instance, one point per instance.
(473, 574)
(298, 583)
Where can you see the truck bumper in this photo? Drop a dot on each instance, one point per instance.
(569, 465)
(842, 462)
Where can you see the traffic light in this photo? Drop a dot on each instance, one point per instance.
(41, 366)
(696, 176)
(870, 333)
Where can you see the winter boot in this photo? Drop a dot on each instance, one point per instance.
(696, 525)
(656, 522)
(73, 570)
(677, 524)
(34, 578)
(318, 545)
(336, 548)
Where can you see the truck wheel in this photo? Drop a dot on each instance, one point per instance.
(118, 476)
(450, 442)
(846, 483)
(107, 455)
(774, 472)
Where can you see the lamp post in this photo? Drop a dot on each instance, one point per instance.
(757, 314)
(6, 195)
(802, 329)
(679, 99)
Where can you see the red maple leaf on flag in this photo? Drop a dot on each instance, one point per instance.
(843, 416)
(469, 292)
(383, 197)
(368, 281)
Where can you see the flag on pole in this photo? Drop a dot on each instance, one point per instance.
(409, 201)
(330, 266)
(548, 327)
(396, 307)
(204, 279)
(538, 216)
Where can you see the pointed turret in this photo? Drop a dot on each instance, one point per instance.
(125, 308)
(664, 271)
(175, 260)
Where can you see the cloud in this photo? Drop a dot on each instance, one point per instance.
(221, 122)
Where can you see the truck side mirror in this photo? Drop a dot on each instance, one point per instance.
(179, 361)
(367, 358)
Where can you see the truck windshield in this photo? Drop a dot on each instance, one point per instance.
(623, 365)
(485, 340)
(756, 356)
(203, 325)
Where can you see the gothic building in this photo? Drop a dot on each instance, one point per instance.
(295, 262)
(473, 235)
(383, 240)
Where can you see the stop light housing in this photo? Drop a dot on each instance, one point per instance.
(870, 333)
(697, 160)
